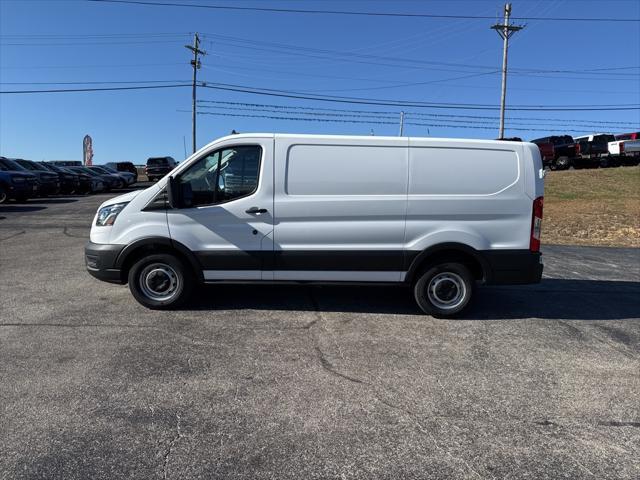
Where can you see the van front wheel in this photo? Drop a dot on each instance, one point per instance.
(444, 290)
(160, 281)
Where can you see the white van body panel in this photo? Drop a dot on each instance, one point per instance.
(450, 199)
(348, 208)
(338, 194)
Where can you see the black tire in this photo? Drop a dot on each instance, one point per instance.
(173, 280)
(4, 196)
(444, 280)
(563, 163)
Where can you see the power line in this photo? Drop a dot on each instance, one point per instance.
(142, 65)
(355, 13)
(108, 82)
(82, 44)
(371, 122)
(334, 99)
(68, 36)
(401, 103)
(232, 41)
(393, 116)
(387, 112)
(97, 89)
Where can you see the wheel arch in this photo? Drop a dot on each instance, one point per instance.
(152, 245)
(449, 252)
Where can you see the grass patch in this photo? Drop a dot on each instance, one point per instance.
(593, 207)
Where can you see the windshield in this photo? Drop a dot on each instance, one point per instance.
(158, 162)
(99, 170)
(48, 167)
(28, 165)
(12, 164)
(88, 171)
(3, 167)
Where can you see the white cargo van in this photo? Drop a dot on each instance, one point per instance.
(439, 215)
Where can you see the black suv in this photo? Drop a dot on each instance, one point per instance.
(124, 167)
(16, 182)
(158, 167)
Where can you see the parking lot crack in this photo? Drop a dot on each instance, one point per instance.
(326, 364)
(322, 358)
(167, 455)
(22, 232)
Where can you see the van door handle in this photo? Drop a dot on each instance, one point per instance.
(256, 210)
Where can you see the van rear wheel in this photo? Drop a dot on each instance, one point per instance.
(444, 290)
(160, 281)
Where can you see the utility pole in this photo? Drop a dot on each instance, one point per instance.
(196, 66)
(401, 123)
(506, 31)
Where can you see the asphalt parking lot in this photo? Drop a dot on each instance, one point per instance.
(539, 382)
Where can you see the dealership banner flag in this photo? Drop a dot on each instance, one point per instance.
(87, 150)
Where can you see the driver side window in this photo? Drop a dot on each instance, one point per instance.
(221, 176)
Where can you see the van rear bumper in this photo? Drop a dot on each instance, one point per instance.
(512, 267)
(100, 260)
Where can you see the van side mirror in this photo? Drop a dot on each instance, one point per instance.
(173, 192)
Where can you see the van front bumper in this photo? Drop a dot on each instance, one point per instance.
(512, 267)
(101, 260)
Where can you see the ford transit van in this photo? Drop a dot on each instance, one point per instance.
(439, 215)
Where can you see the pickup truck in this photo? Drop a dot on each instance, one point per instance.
(557, 151)
(626, 147)
(593, 151)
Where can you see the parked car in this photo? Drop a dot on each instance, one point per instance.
(627, 148)
(48, 182)
(558, 151)
(99, 182)
(593, 151)
(128, 177)
(124, 167)
(86, 182)
(438, 215)
(66, 163)
(19, 185)
(69, 181)
(115, 181)
(158, 167)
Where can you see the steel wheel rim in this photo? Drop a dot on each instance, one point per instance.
(159, 282)
(446, 290)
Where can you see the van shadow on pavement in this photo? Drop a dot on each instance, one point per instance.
(554, 299)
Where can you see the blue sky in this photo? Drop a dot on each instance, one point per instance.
(42, 42)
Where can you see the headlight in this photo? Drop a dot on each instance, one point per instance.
(107, 215)
(18, 179)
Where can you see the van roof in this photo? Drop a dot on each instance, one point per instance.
(372, 138)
